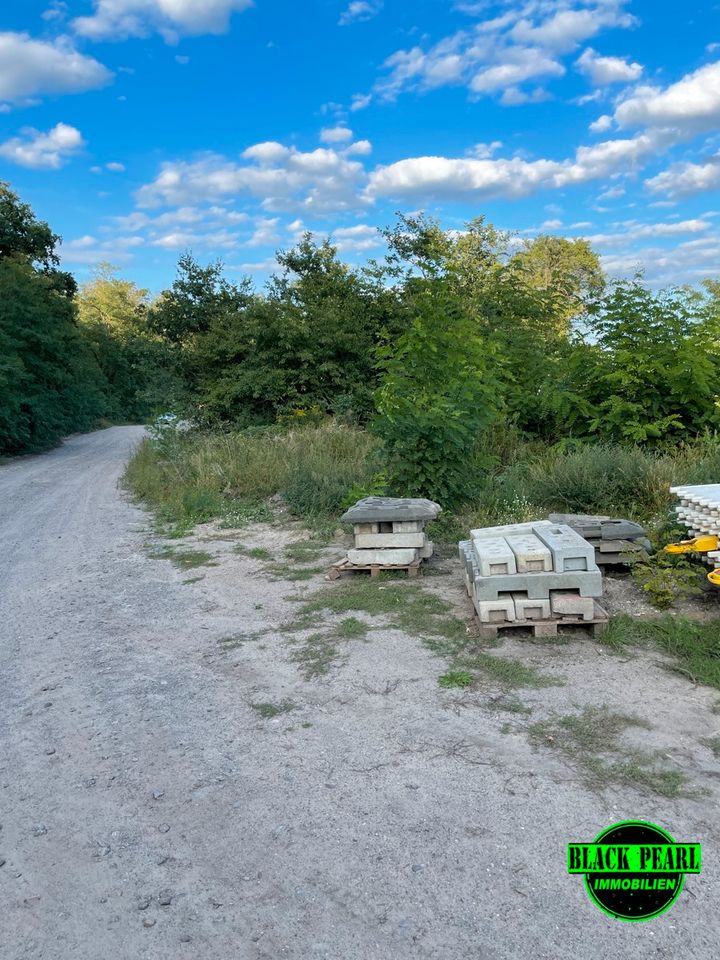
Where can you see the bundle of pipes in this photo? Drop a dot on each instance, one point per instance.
(698, 509)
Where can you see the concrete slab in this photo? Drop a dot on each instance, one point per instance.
(408, 526)
(375, 509)
(588, 583)
(531, 554)
(362, 528)
(569, 550)
(618, 546)
(382, 541)
(494, 556)
(485, 533)
(621, 530)
(427, 551)
(382, 557)
(496, 611)
(571, 605)
(526, 609)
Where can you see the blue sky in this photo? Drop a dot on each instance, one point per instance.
(143, 128)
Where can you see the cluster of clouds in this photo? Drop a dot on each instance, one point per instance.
(512, 55)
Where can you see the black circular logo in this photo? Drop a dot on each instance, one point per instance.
(635, 896)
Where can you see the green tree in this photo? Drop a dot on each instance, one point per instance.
(568, 269)
(50, 384)
(654, 375)
(436, 398)
(141, 369)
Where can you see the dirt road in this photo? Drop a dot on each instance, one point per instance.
(151, 808)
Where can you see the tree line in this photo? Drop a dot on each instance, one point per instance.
(451, 332)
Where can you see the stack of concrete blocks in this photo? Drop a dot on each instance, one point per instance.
(698, 509)
(615, 541)
(530, 572)
(390, 531)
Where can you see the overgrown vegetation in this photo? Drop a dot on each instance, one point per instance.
(591, 739)
(694, 645)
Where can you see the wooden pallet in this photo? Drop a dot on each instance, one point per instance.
(548, 628)
(344, 566)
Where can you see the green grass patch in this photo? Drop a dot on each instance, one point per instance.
(713, 743)
(507, 672)
(305, 551)
(351, 629)
(694, 645)
(591, 739)
(269, 710)
(185, 558)
(456, 678)
(281, 571)
(255, 553)
(236, 640)
(315, 655)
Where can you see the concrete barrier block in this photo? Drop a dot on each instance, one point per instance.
(531, 554)
(427, 550)
(527, 609)
(537, 586)
(496, 611)
(362, 528)
(569, 550)
(376, 509)
(364, 541)
(382, 557)
(494, 556)
(487, 533)
(571, 605)
(408, 526)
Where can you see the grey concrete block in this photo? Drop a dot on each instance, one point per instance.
(382, 541)
(408, 526)
(571, 605)
(485, 533)
(621, 530)
(526, 609)
(496, 611)
(569, 550)
(494, 556)
(362, 528)
(531, 554)
(382, 557)
(376, 509)
(588, 583)
(618, 546)
(427, 551)
(588, 525)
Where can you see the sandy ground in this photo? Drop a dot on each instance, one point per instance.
(148, 811)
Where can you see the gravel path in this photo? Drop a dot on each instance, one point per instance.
(149, 811)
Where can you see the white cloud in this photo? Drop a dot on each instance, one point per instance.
(182, 60)
(522, 63)
(31, 68)
(551, 225)
(360, 148)
(360, 10)
(481, 151)
(283, 178)
(56, 11)
(642, 231)
(603, 71)
(187, 240)
(172, 19)
(496, 55)
(115, 167)
(687, 262)
(689, 106)
(684, 179)
(567, 28)
(356, 239)
(444, 178)
(601, 124)
(338, 134)
(43, 151)
(613, 193)
(88, 250)
(265, 234)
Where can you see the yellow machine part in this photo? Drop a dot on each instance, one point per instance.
(714, 577)
(696, 545)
